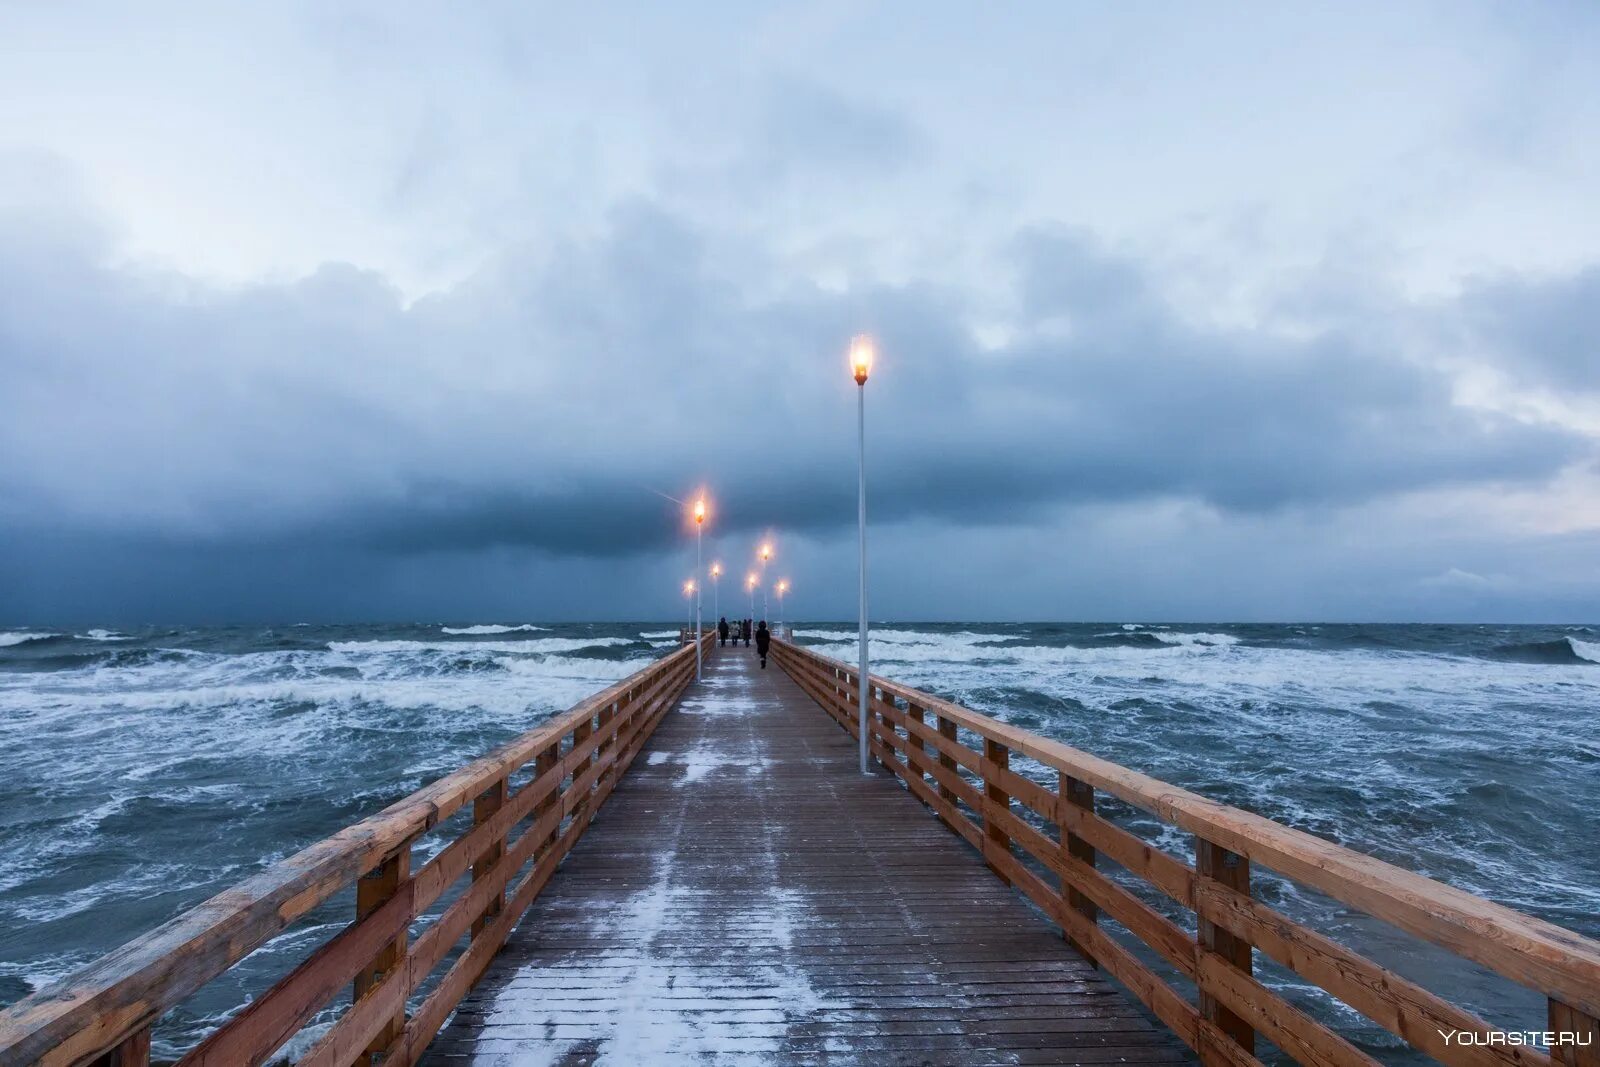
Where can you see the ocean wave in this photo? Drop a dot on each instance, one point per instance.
(102, 635)
(20, 637)
(660, 635)
(1181, 638)
(491, 628)
(1564, 650)
(535, 645)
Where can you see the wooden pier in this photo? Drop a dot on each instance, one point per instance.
(742, 893)
(748, 895)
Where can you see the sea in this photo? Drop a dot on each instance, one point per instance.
(143, 769)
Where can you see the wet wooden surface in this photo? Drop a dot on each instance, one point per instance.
(747, 896)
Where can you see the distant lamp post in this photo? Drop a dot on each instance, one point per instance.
(750, 583)
(783, 587)
(766, 554)
(688, 598)
(716, 589)
(699, 528)
(861, 366)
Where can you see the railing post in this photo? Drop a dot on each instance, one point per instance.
(607, 713)
(134, 1051)
(915, 743)
(373, 890)
(580, 734)
(1232, 871)
(947, 730)
(543, 768)
(1583, 1028)
(489, 802)
(1080, 795)
(998, 755)
(880, 711)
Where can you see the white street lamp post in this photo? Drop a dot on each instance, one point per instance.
(861, 365)
(699, 525)
(716, 590)
(766, 554)
(688, 601)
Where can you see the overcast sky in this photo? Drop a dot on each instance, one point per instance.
(376, 311)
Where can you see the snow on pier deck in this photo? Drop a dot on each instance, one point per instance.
(747, 895)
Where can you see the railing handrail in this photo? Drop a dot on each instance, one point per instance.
(1557, 962)
(138, 982)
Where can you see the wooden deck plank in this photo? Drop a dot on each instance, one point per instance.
(747, 896)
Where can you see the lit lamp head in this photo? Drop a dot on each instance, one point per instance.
(783, 587)
(750, 581)
(766, 553)
(700, 511)
(688, 587)
(861, 357)
(716, 570)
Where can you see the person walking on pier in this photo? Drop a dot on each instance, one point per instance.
(722, 631)
(763, 640)
(745, 632)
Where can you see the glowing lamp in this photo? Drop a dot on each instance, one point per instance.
(861, 358)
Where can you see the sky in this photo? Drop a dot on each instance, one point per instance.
(368, 311)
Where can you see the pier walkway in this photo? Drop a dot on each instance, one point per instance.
(746, 892)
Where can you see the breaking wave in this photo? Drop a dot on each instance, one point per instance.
(491, 628)
(1561, 650)
(23, 637)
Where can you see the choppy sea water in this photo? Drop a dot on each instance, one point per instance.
(143, 770)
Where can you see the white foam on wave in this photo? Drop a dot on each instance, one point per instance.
(1181, 638)
(102, 635)
(1589, 650)
(18, 637)
(544, 645)
(932, 647)
(659, 635)
(491, 628)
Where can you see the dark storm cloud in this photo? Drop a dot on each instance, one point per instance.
(1542, 331)
(539, 404)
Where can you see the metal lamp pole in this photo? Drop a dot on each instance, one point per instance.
(766, 554)
(716, 590)
(699, 525)
(783, 587)
(688, 601)
(861, 364)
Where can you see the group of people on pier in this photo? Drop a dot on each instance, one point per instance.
(740, 629)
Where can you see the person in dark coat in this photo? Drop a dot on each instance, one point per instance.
(722, 631)
(745, 629)
(763, 639)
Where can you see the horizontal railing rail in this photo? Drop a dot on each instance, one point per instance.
(105, 1013)
(977, 794)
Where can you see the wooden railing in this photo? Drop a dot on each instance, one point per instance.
(1022, 828)
(105, 1013)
